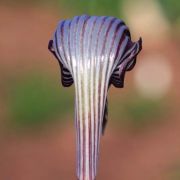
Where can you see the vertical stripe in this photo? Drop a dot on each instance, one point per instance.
(92, 48)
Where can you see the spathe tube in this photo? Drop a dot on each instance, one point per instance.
(93, 53)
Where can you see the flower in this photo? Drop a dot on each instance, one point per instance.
(93, 53)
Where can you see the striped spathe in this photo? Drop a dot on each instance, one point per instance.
(93, 53)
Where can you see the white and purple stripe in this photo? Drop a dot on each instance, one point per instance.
(93, 52)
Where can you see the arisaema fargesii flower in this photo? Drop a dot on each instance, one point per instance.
(94, 53)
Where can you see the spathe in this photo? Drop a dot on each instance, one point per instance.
(93, 53)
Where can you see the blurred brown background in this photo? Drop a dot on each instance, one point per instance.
(37, 135)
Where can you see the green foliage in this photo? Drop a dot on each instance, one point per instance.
(171, 9)
(37, 99)
(77, 7)
(94, 7)
(141, 111)
(137, 112)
